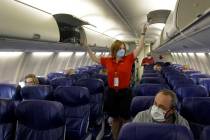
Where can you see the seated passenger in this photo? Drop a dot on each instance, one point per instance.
(157, 67)
(69, 71)
(103, 71)
(31, 79)
(163, 110)
(149, 60)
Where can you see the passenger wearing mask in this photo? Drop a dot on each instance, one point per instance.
(118, 96)
(149, 60)
(163, 110)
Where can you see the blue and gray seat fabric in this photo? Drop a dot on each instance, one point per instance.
(79, 101)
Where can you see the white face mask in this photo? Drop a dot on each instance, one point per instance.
(158, 114)
(120, 53)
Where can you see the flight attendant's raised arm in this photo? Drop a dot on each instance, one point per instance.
(92, 55)
(141, 43)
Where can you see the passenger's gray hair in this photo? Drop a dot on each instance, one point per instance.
(170, 93)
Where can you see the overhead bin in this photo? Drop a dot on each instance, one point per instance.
(186, 11)
(21, 21)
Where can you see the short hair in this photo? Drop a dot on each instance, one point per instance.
(116, 46)
(168, 92)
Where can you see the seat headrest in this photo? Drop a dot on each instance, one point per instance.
(62, 81)
(196, 109)
(95, 86)
(41, 92)
(73, 95)
(151, 131)
(205, 135)
(141, 103)
(154, 80)
(40, 114)
(7, 111)
(43, 80)
(54, 75)
(7, 91)
(191, 91)
(148, 89)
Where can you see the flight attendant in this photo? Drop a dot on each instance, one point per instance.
(118, 95)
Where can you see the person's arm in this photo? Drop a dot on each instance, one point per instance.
(92, 55)
(138, 49)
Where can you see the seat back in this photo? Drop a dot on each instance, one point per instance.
(148, 89)
(41, 92)
(141, 103)
(43, 80)
(191, 91)
(206, 83)
(76, 101)
(96, 90)
(153, 80)
(7, 91)
(205, 133)
(196, 111)
(40, 120)
(7, 119)
(53, 75)
(151, 131)
(62, 81)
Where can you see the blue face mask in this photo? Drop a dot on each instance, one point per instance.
(120, 53)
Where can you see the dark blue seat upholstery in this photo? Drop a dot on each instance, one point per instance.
(151, 75)
(96, 90)
(76, 101)
(62, 81)
(54, 75)
(181, 81)
(153, 80)
(191, 91)
(41, 92)
(43, 80)
(195, 77)
(148, 89)
(7, 119)
(205, 133)
(205, 82)
(8, 91)
(40, 120)
(196, 110)
(148, 131)
(103, 77)
(141, 103)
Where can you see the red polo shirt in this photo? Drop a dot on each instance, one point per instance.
(122, 68)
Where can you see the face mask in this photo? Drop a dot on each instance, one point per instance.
(158, 114)
(149, 57)
(120, 53)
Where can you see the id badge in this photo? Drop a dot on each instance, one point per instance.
(116, 81)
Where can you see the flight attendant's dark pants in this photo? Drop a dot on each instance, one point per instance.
(117, 105)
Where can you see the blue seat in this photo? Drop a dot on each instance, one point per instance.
(53, 75)
(181, 81)
(40, 120)
(103, 77)
(76, 101)
(141, 103)
(191, 91)
(151, 75)
(96, 90)
(196, 110)
(7, 119)
(196, 76)
(148, 131)
(148, 89)
(153, 80)
(41, 92)
(9, 91)
(42, 80)
(62, 81)
(205, 133)
(205, 82)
